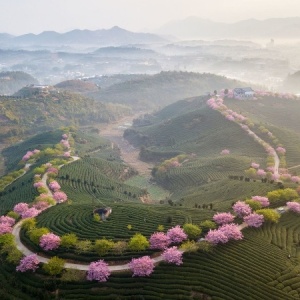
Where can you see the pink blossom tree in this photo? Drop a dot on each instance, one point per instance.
(241, 208)
(65, 136)
(261, 173)
(176, 234)
(254, 220)
(295, 179)
(98, 271)
(216, 236)
(27, 155)
(7, 220)
(28, 263)
(159, 240)
(49, 241)
(60, 197)
(223, 218)
(293, 206)
(20, 208)
(281, 150)
(30, 213)
(254, 165)
(231, 231)
(225, 152)
(5, 228)
(38, 184)
(173, 255)
(67, 154)
(264, 201)
(54, 186)
(41, 205)
(142, 266)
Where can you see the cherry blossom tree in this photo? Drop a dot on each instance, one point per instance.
(65, 136)
(98, 271)
(54, 186)
(38, 184)
(254, 220)
(27, 155)
(41, 205)
(30, 213)
(216, 236)
(176, 234)
(295, 179)
(231, 231)
(293, 206)
(225, 152)
(264, 201)
(254, 165)
(142, 266)
(223, 218)
(159, 240)
(5, 228)
(28, 263)
(261, 173)
(60, 197)
(7, 220)
(241, 208)
(280, 150)
(20, 208)
(67, 154)
(49, 241)
(52, 170)
(173, 255)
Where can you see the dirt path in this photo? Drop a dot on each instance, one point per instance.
(129, 154)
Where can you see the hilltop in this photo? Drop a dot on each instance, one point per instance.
(35, 109)
(11, 82)
(162, 89)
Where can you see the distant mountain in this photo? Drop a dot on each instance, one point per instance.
(115, 36)
(194, 27)
(10, 82)
(292, 83)
(77, 86)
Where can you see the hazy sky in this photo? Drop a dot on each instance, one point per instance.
(23, 16)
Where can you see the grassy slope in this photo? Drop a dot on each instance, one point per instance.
(280, 116)
(163, 88)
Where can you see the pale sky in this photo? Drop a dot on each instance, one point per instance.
(24, 16)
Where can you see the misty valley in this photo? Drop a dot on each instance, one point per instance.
(162, 165)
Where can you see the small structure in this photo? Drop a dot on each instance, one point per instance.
(103, 212)
(244, 93)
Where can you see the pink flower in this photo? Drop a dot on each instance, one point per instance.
(41, 205)
(98, 271)
(54, 186)
(20, 208)
(254, 220)
(67, 154)
(280, 150)
(216, 236)
(65, 136)
(7, 220)
(38, 184)
(173, 255)
(5, 228)
(254, 165)
(176, 234)
(231, 231)
(159, 240)
(264, 201)
(261, 173)
(60, 197)
(293, 206)
(28, 263)
(30, 213)
(241, 208)
(49, 241)
(225, 152)
(142, 266)
(223, 218)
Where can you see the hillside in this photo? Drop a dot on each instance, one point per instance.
(292, 83)
(34, 110)
(11, 82)
(77, 86)
(271, 112)
(162, 89)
